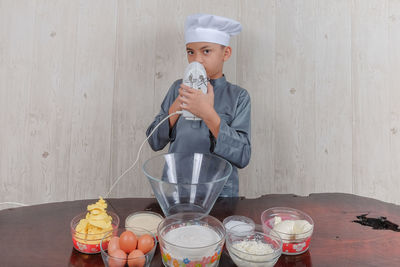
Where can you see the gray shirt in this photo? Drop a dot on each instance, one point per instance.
(232, 103)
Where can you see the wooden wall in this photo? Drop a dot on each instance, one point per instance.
(80, 81)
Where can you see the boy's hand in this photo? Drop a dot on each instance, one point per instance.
(196, 101)
(201, 105)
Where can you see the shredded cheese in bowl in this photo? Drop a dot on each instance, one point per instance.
(255, 249)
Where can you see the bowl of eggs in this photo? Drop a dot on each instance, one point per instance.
(293, 226)
(129, 246)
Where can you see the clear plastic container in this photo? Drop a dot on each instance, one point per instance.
(191, 239)
(90, 244)
(293, 243)
(187, 182)
(144, 219)
(253, 249)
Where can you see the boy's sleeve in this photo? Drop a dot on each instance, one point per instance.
(163, 135)
(233, 142)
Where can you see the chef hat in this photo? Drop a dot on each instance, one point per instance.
(210, 28)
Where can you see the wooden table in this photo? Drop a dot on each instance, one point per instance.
(40, 235)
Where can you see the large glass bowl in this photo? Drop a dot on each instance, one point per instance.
(187, 182)
(191, 239)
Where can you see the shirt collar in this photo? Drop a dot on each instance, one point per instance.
(218, 82)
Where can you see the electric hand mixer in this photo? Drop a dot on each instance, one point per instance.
(195, 76)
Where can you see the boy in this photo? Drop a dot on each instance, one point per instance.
(225, 110)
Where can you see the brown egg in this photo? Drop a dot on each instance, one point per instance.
(127, 241)
(145, 243)
(117, 258)
(136, 258)
(113, 244)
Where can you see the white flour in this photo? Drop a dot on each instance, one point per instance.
(192, 236)
(194, 241)
(253, 247)
(253, 253)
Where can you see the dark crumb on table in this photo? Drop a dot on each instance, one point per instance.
(379, 223)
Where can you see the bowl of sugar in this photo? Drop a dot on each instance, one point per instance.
(246, 224)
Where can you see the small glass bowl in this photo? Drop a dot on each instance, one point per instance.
(293, 244)
(110, 261)
(266, 256)
(141, 219)
(90, 244)
(183, 251)
(247, 224)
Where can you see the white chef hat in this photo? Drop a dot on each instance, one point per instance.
(210, 28)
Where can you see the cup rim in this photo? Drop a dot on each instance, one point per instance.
(128, 228)
(222, 238)
(274, 237)
(308, 218)
(246, 220)
(144, 169)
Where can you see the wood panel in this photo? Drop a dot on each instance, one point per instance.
(294, 120)
(333, 102)
(16, 59)
(48, 119)
(371, 125)
(255, 72)
(133, 93)
(92, 99)
(393, 54)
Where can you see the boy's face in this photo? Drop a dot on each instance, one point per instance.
(211, 55)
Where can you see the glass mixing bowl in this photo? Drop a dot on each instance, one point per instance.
(191, 239)
(187, 182)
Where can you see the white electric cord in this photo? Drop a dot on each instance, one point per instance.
(138, 154)
(127, 170)
(13, 203)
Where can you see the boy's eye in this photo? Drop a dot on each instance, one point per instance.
(206, 51)
(190, 52)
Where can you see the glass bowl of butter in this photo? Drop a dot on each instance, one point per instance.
(293, 226)
(88, 228)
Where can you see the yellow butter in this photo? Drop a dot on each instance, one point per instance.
(97, 222)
